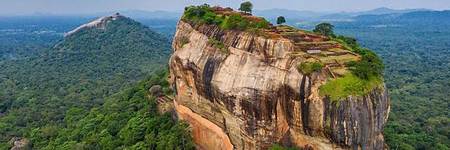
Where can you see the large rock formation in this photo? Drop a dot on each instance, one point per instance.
(251, 94)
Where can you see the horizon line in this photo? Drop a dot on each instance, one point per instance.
(178, 11)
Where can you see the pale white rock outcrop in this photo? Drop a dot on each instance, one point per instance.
(97, 23)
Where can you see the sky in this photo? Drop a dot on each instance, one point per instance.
(23, 7)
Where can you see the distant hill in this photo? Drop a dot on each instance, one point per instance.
(92, 62)
(385, 10)
(296, 15)
(378, 11)
(418, 17)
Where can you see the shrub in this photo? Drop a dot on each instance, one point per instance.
(212, 18)
(237, 22)
(309, 67)
(199, 14)
(184, 41)
(234, 21)
(264, 24)
(218, 44)
(324, 29)
(369, 65)
(350, 41)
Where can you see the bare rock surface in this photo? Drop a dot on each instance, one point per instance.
(20, 144)
(97, 23)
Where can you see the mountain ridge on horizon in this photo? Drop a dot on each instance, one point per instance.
(139, 13)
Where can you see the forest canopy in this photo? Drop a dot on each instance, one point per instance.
(73, 77)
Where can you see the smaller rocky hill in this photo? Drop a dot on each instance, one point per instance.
(91, 63)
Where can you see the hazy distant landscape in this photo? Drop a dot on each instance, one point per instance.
(414, 44)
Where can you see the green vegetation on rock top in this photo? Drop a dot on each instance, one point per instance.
(349, 84)
(229, 20)
(366, 74)
(309, 67)
(368, 70)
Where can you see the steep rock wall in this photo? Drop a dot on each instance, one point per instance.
(252, 96)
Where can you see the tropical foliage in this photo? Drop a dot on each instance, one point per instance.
(309, 67)
(370, 65)
(281, 20)
(79, 73)
(349, 84)
(366, 74)
(204, 14)
(126, 120)
(415, 51)
(324, 29)
(246, 7)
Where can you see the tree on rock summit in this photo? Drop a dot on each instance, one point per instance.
(281, 20)
(246, 7)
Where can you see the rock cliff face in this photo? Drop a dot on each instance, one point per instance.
(251, 95)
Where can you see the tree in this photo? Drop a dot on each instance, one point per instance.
(246, 7)
(324, 29)
(281, 20)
